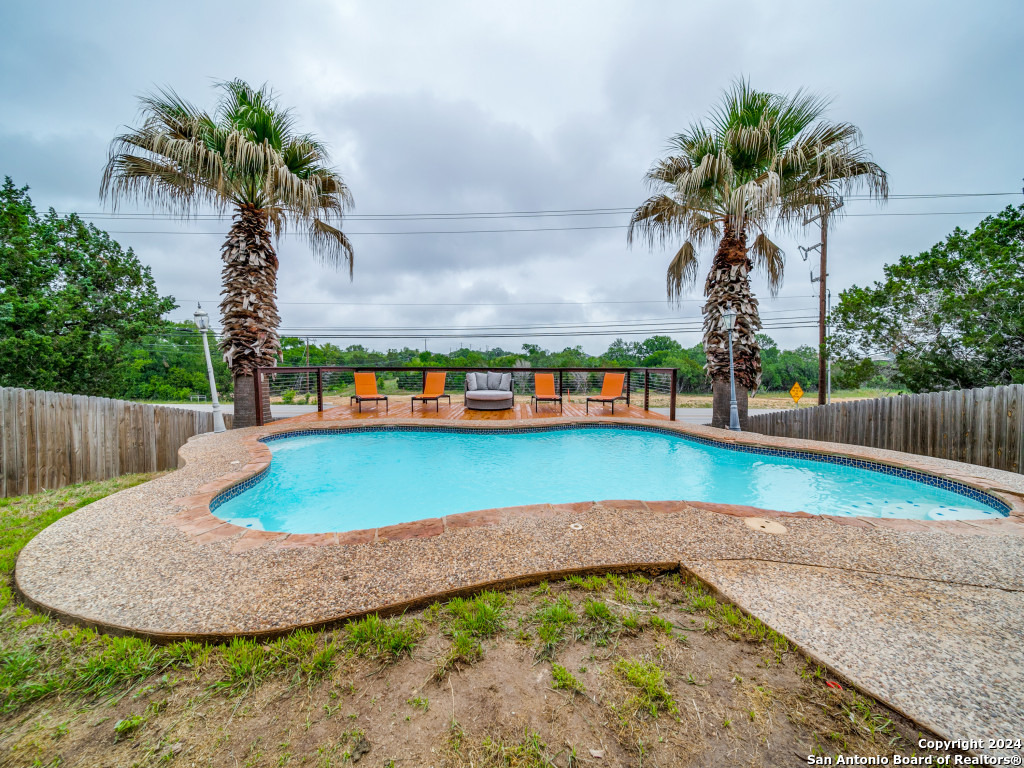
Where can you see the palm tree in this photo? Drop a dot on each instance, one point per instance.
(759, 160)
(247, 157)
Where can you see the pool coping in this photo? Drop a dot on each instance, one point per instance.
(196, 517)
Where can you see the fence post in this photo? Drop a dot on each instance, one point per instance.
(319, 390)
(258, 376)
(627, 387)
(647, 389)
(560, 390)
(672, 395)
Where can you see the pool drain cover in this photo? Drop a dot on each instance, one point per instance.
(765, 526)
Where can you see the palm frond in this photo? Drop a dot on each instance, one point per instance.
(682, 271)
(658, 218)
(767, 256)
(248, 154)
(331, 244)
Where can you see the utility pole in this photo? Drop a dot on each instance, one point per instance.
(822, 310)
(824, 369)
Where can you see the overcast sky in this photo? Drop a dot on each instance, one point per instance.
(452, 107)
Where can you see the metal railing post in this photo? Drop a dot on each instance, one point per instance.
(672, 396)
(627, 387)
(647, 389)
(319, 390)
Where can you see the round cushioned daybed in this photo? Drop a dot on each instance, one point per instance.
(488, 391)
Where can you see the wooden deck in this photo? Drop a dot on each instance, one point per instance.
(399, 408)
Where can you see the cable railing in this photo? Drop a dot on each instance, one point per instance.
(649, 388)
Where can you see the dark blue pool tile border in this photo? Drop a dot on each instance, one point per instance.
(241, 487)
(872, 466)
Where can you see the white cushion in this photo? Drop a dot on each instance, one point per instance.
(490, 394)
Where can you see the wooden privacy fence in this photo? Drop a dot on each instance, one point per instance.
(49, 440)
(978, 426)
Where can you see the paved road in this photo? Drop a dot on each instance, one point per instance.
(277, 410)
(686, 415)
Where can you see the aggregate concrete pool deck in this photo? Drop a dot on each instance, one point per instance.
(928, 617)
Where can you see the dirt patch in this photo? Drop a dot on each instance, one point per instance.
(616, 671)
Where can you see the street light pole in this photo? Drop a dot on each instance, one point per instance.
(734, 413)
(202, 322)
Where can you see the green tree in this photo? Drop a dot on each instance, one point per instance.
(246, 157)
(72, 302)
(759, 160)
(624, 353)
(168, 363)
(853, 374)
(952, 316)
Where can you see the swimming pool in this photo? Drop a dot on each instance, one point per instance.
(341, 480)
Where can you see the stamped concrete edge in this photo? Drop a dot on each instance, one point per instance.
(385, 611)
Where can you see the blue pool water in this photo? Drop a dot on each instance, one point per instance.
(342, 482)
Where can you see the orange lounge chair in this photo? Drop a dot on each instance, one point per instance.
(544, 390)
(433, 389)
(611, 390)
(366, 389)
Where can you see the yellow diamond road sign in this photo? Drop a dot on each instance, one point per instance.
(796, 392)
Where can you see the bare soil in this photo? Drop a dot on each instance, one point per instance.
(730, 693)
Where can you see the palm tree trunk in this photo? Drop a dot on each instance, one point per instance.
(249, 309)
(727, 288)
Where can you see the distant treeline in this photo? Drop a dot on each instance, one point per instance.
(169, 365)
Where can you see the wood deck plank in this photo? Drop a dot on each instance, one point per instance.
(456, 411)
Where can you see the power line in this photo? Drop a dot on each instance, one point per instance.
(516, 229)
(504, 214)
(299, 331)
(692, 327)
(495, 303)
(793, 323)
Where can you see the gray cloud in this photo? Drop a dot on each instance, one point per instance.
(459, 106)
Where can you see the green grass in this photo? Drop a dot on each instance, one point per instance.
(590, 583)
(563, 679)
(124, 661)
(662, 625)
(529, 752)
(384, 639)
(245, 665)
(128, 725)
(465, 649)
(553, 618)
(598, 612)
(419, 703)
(481, 616)
(648, 679)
